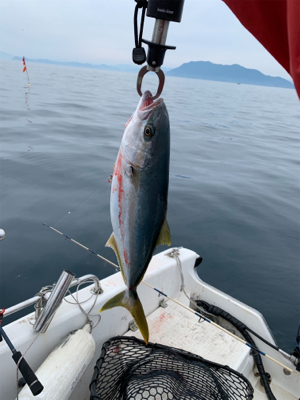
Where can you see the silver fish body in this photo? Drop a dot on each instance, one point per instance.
(139, 195)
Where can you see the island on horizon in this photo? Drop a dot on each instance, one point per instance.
(205, 70)
(228, 73)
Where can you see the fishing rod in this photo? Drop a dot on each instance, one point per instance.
(201, 317)
(81, 245)
(164, 12)
(30, 378)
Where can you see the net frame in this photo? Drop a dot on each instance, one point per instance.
(128, 369)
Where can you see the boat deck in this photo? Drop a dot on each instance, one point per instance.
(177, 327)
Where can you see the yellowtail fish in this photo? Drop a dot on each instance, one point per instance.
(138, 202)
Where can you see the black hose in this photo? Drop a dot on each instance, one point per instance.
(242, 328)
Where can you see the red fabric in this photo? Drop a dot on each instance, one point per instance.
(276, 25)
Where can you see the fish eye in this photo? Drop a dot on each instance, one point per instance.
(148, 131)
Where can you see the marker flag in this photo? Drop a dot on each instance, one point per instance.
(25, 69)
(24, 63)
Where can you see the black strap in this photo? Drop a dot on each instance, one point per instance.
(138, 53)
(140, 4)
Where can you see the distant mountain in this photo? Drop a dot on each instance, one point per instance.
(121, 67)
(135, 68)
(128, 67)
(227, 73)
(195, 69)
(5, 56)
(69, 64)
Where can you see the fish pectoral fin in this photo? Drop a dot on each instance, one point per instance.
(164, 235)
(130, 300)
(113, 244)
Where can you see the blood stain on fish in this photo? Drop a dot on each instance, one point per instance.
(119, 174)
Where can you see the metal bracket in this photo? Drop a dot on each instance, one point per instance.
(163, 303)
(174, 252)
(97, 290)
(132, 326)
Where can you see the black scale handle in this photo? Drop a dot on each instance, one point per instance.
(169, 10)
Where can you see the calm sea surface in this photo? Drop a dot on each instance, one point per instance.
(234, 181)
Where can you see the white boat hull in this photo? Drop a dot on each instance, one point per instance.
(199, 338)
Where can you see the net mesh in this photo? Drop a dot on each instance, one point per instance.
(128, 369)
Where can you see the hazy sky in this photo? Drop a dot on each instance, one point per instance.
(101, 31)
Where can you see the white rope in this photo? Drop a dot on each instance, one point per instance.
(175, 254)
(87, 314)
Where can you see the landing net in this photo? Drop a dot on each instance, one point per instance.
(128, 369)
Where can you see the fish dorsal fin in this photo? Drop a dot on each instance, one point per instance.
(113, 244)
(164, 235)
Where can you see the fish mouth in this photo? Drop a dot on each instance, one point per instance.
(134, 150)
(147, 105)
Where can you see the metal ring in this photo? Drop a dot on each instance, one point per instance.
(161, 79)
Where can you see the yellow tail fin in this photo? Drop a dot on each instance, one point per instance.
(130, 300)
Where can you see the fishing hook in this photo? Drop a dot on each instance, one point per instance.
(161, 79)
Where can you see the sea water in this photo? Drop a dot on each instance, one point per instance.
(234, 182)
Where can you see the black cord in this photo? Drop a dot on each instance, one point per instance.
(243, 330)
(262, 339)
(142, 26)
(140, 4)
(136, 26)
(138, 53)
